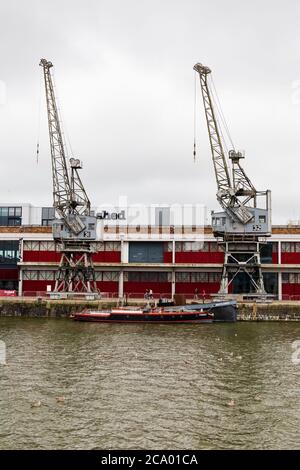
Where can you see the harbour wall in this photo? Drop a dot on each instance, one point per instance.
(45, 308)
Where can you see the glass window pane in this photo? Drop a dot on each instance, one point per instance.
(285, 278)
(214, 277)
(183, 277)
(162, 277)
(286, 247)
(133, 277)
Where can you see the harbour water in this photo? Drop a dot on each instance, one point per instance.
(215, 386)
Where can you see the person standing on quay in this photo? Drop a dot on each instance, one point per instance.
(196, 294)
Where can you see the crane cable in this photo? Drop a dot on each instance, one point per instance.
(64, 132)
(222, 124)
(218, 118)
(39, 121)
(221, 114)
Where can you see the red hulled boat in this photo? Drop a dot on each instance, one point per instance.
(147, 315)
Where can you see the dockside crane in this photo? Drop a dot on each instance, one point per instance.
(242, 227)
(75, 229)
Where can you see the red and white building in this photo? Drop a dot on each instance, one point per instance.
(130, 257)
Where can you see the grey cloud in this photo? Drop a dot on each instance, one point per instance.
(125, 82)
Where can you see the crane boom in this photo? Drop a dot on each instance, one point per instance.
(227, 192)
(218, 157)
(70, 199)
(60, 176)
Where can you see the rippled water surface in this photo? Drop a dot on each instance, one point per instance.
(149, 386)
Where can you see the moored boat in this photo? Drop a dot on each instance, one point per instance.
(147, 315)
(223, 311)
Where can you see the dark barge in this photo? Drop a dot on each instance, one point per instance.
(195, 313)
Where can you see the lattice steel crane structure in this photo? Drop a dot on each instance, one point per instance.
(75, 229)
(242, 227)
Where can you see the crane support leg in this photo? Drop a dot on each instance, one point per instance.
(242, 256)
(76, 273)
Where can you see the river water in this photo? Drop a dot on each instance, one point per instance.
(214, 386)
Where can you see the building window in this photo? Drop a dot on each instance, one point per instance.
(30, 275)
(48, 214)
(148, 276)
(285, 278)
(287, 247)
(214, 277)
(291, 278)
(163, 277)
(133, 277)
(262, 219)
(191, 246)
(31, 245)
(46, 246)
(8, 284)
(10, 216)
(110, 276)
(183, 277)
(46, 275)
(169, 246)
(199, 277)
(112, 246)
(266, 252)
(9, 252)
(215, 247)
(202, 277)
(3, 211)
(36, 275)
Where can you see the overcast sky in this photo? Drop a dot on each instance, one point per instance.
(125, 83)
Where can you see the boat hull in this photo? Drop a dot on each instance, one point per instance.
(196, 313)
(223, 311)
(144, 317)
